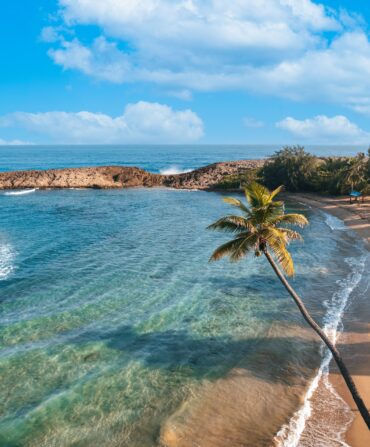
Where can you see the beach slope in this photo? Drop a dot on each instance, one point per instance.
(354, 341)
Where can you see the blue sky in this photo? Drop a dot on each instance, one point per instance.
(185, 71)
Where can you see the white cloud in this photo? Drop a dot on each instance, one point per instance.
(103, 60)
(278, 47)
(204, 24)
(321, 128)
(252, 123)
(142, 122)
(187, 35)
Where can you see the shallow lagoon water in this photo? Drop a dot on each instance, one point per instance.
(113, 324)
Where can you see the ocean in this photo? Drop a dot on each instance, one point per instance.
(115, 330)
(165, 159)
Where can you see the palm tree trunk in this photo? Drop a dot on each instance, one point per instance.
(342, 367)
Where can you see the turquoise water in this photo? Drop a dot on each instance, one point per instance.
(112, 319)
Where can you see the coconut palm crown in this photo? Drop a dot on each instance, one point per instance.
(263, 225)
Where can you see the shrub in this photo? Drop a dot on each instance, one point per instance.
(292, 167)
(238, 181)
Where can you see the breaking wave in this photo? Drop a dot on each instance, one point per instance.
(20, 193)
(334, 223)
(173, 170)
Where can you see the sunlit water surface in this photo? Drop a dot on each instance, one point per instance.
(116, 331)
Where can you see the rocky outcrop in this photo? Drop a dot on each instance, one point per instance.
(99, 177)
(123, 177)
(210, 176)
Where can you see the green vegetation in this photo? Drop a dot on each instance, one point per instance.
(262, 227)
(301, 171)
(292, 167)
(238, 181)
(298, 170)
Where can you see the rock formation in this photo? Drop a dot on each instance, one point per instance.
(124, 177)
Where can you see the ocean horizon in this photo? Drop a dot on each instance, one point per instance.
(154, 158)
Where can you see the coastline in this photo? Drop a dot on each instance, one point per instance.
(355, 339)
(353, 342)
(117, 177)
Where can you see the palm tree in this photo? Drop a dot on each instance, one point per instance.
(355, 175)
(264, 229)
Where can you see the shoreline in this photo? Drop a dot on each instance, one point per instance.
(355, 338)
(354, 341)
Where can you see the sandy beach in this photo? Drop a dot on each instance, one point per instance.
(354, 342)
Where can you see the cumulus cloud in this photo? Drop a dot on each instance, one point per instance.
(177, 35)
(288, 48)
(321, 128)
(204, 24)
(103, 60)
(142, 122)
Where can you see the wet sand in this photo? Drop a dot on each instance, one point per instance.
(354, 342)
(240, 410)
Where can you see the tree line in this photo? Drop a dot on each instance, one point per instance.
(300, 171)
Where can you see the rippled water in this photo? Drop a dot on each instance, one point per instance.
(116, 331)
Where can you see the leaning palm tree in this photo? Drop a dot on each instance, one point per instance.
(263, 228)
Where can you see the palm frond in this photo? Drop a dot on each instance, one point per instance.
(277, 241)
(236, 248)
(291, 234)
(266, 214)
(276, 191)
(291, 219)
(284, 258)
(257, 195)
(232, 224)
(237, 203)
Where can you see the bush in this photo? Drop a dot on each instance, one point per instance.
(238, 181)
(298, 170)
(330, 176)
(292, 167)
(342, 175)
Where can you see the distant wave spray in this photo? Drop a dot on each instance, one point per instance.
(173, 170)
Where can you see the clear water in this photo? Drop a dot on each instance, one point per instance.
(114, 328)
(151, 158)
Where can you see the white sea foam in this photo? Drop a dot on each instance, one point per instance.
(7, 257)
(334, 223)
(173, 170)
(20, 193)
(290, 434)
